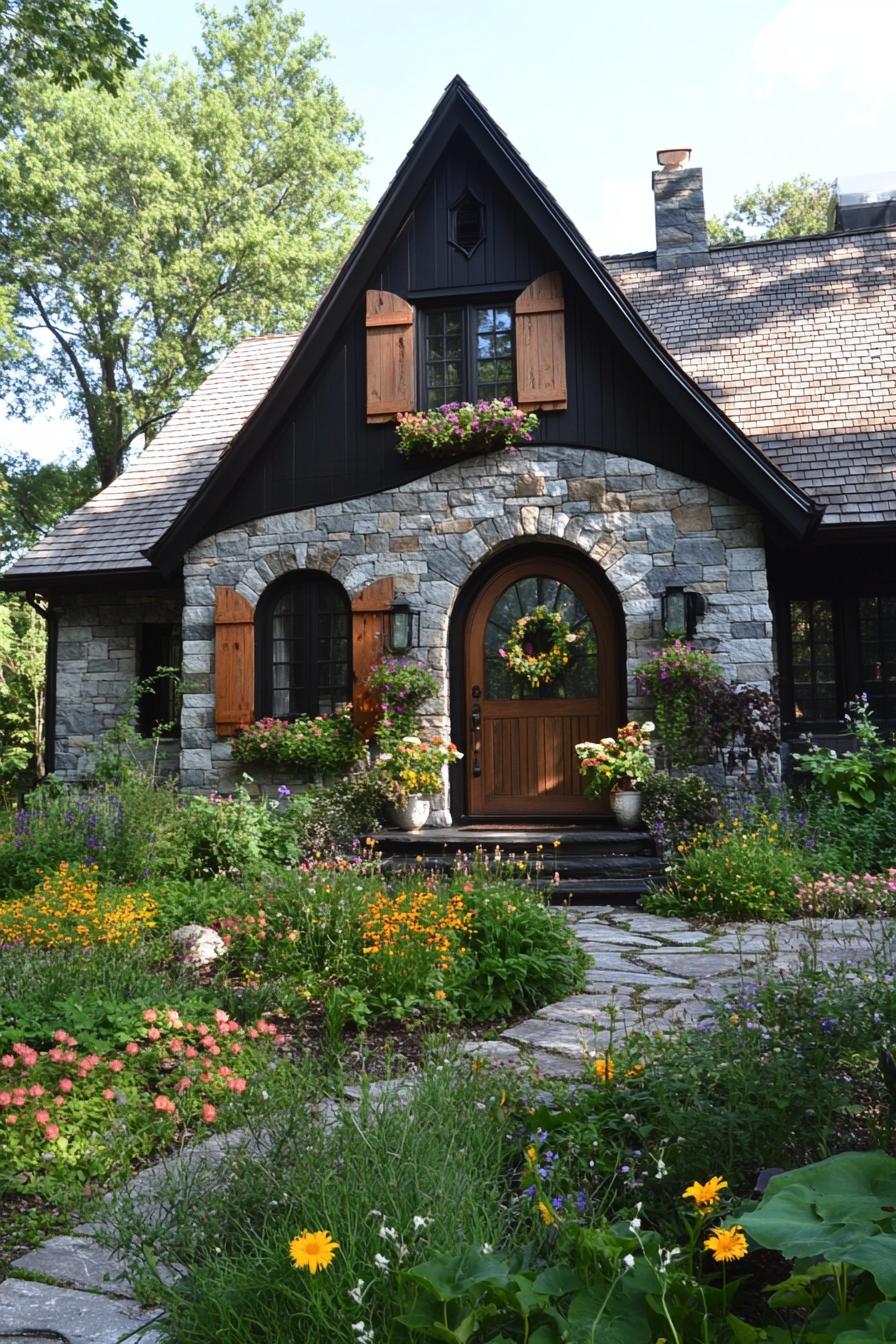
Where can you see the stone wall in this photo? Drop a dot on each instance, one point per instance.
(96, 669)
(646, 527)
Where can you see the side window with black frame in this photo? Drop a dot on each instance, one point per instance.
(158, 710)
(303, 647)
(838, 647)
(467, 353)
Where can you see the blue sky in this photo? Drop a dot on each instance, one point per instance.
(588, 91)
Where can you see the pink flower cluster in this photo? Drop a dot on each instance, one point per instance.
(861, 894)
(55, 1100)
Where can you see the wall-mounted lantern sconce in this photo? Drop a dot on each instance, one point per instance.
(681, 611)
(402, 626)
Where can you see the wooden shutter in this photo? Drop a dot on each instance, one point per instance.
(234, 661)
(540, 339)
(390, 356)
(369, 614)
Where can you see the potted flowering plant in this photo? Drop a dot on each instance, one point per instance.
(620, 764)
(411, 773)
(401, 685)
(322, 745)
(458, 426)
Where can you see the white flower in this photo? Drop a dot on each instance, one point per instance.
(384, 756)
(415, 741)
(381, 1262)
(420, 1223)
(571, 639)
(357, 1293)
(365, 1336)
(487, 1248)
(635, 1225)
(628, 1261)
(648, 727)
(661, 1168)
(388, 1233)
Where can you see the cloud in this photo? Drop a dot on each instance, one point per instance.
(820, 45)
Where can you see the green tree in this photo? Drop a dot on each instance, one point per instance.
(145, 233)
(64, 41)
(780, 210)
(23, 643)
(34, 496)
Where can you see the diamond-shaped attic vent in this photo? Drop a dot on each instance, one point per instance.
(467, 224)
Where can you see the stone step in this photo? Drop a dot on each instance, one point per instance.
(571, 866)
(451, 840)
(591, 890)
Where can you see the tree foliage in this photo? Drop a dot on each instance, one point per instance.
(780, 210)
(65, 42)
(144, 233)
(34, 496)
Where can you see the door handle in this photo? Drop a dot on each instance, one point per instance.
(476, 732)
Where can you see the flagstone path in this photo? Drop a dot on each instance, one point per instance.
(648, 973)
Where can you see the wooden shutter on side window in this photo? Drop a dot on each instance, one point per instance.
(390, 356)
(369, 615)
(540, 340)
(234, 661)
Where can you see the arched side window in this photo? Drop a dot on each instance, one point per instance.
(303, 646)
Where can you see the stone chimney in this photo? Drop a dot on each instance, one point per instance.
(680, 213)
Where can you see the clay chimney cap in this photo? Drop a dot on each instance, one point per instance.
(672, 158)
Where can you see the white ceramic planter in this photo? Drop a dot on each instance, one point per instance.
(411, 813)
(625, 804)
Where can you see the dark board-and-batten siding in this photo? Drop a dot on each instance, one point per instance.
(324, 450)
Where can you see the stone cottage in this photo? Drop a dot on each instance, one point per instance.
(716, 439)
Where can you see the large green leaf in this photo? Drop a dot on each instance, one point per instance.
(826, 1208)
(452, 1276)
(880, 1326)
(878, 1256)
(632, 1327)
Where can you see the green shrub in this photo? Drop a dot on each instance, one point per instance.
(236, 836)
(129, 830)
(675, 807)
(856, 780)
(734, 870)
(851, 840)
(336, 816)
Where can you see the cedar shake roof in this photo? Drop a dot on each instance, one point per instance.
(795, 340)
(109, 533)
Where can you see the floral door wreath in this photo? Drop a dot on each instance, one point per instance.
(538, 647)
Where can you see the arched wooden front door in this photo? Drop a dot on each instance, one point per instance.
(521, 761)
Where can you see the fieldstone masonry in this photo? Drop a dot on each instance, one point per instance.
(98, 640)
(644, 526)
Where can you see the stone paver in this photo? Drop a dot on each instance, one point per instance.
(81, 1318)
(77, 1261)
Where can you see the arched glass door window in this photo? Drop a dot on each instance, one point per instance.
(304, 646)
(579, 679)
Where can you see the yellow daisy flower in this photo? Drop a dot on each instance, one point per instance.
(726, 1243)
(312, 1250)
(705, 1194)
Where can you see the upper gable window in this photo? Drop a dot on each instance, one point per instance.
(467, 224)
(468, 354)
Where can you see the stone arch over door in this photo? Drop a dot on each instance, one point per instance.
(520, 762)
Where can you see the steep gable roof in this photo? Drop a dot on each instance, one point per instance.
(160, 505)
(795, 339)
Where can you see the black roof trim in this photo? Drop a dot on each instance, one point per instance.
(88, 581)
(459, 109)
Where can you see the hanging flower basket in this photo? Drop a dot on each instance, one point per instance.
(538, 647)
(459, 426)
